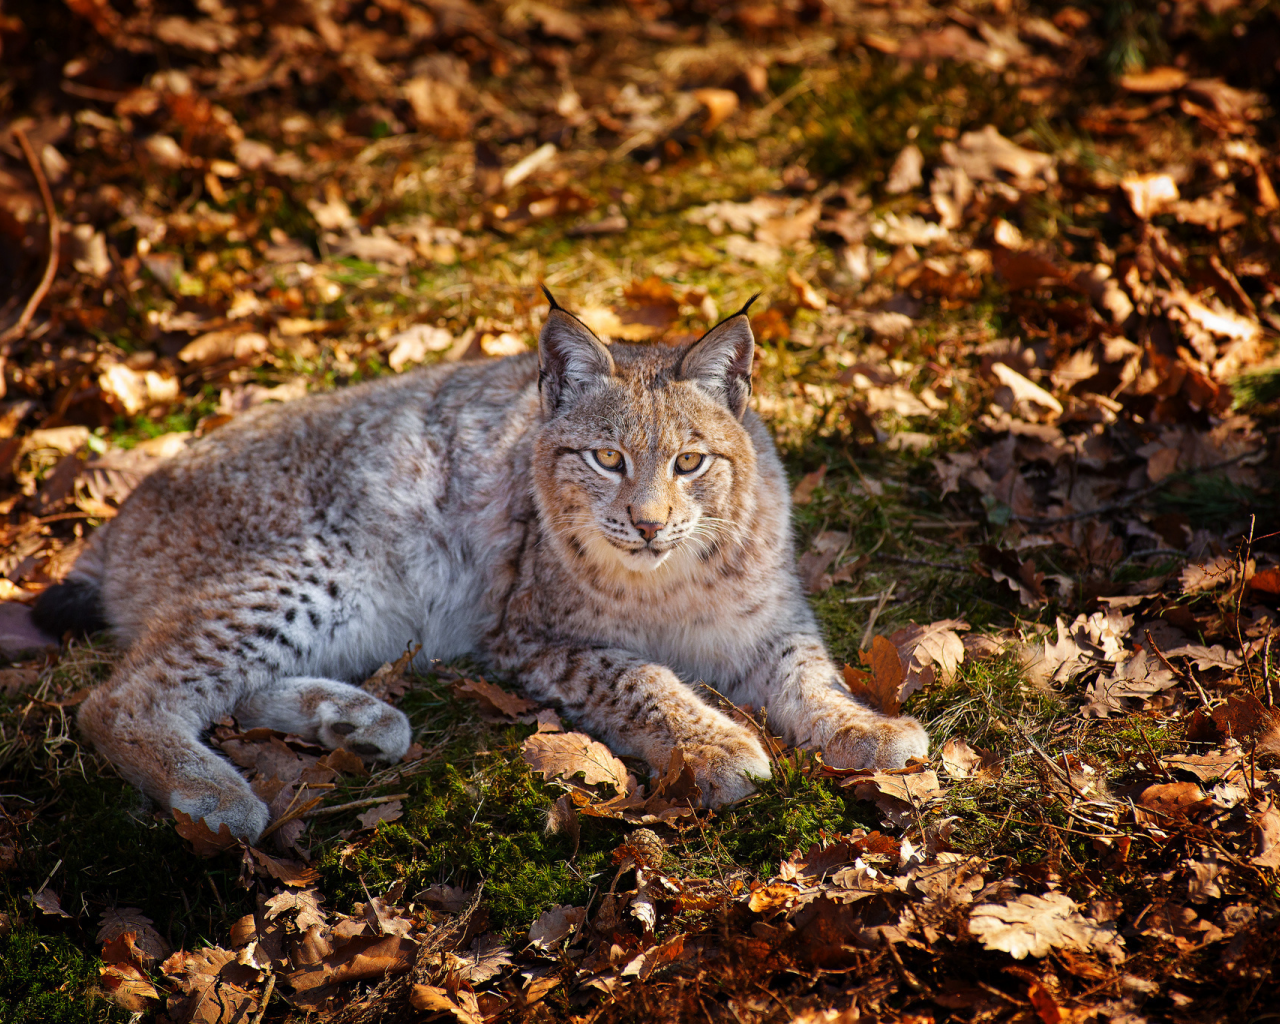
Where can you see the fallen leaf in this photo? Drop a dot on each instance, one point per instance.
(905, 174)
(120, 921)
(49, 903)
(1157, 79)
(921, 648)
(494, 701)
(1034, 925)
(961, 761)
(488, 957)
(127, 986)
(304, 906)
(823, 550)
(1266, 824)
(720, 104)
(392, 810)
(553, 926)
(564, 755)
(803, 493)
(219, 345)
(1149, 193)
(204, 841)
(878, 689)
(807, 297)
(982, 154)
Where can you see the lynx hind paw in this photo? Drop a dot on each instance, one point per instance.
(366, 726)
(724, 772)
(882, 743)
(243, 813)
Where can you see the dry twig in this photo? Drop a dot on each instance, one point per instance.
(51, 266)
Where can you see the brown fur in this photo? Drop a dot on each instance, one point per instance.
(462, 507)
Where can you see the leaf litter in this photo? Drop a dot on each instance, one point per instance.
(1045, 330)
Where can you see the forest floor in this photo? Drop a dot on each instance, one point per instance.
(1019, 268)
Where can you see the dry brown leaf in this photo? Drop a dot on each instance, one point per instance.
(905, 174)
(49, 903)
(1034, 925)
(720, 104)
(807, 296)
(924, 648)
(554, 926)
(344, 762)
(1157, 79)
(127, 986)
(304, 906)
(1138, 677)
(1031, 401)
(432, 999)
(215, 984)
(961, 761)
(290, 872)
(1172, 799)
(878, 688)
(228, 344)
(494, 701)
(983, 154)
(1266, 826)
(803, 493)
(488, 957)
(121, 921)
(204, 841)
(1149, 193)
(392, 810)
(822, 552)
(565, 755)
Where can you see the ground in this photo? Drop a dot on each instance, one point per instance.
(1018, 268)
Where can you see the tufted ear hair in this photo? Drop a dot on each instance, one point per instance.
(720, 362)
(570, 358)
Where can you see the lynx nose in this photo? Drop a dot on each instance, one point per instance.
(648, 530)
(645, 526)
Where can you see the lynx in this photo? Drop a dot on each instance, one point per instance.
(605, 525)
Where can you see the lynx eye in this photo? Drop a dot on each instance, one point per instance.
(689, 462)
(608, 458)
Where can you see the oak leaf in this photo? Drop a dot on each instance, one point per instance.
(493, 700)
(566, 754)
(921, 648)
(554, 926)
(1034, 925)
(120, 921)
(879, 687)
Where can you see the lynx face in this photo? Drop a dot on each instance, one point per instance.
(641, 464)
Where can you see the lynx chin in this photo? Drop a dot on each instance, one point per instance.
(606, 525)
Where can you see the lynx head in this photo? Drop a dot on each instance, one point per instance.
(643, 460)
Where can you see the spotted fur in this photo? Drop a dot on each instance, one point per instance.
(462, 507)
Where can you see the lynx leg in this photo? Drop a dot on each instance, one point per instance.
(641, 708)
(808, 702)
(336, 714)
(159, 751)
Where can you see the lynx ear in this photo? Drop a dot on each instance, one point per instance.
(570, 358)
(720, 363)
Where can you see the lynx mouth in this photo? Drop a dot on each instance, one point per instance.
(646, 557)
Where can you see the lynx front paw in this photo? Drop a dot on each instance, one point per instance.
(242, 812)
(724, 772)
(877, 743)
(369, 728)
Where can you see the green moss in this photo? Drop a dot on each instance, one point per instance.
(793, 810)
(46, 979)
(987, 703)
(480, 822)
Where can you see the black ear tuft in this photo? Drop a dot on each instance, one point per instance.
(570, 359)
(720, 362)
(552, 299)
